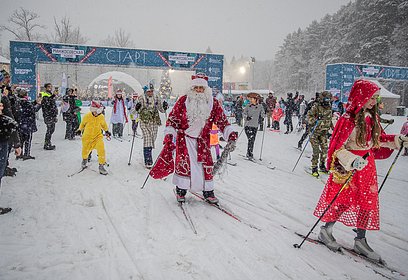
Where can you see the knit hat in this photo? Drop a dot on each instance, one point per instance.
(200, 79)
(96, 107)
(149, 87)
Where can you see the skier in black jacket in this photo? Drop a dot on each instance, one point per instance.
(69, 114)
(8, 126)
(50, 114)
(27, 122)
(289, 109)
(308, 107)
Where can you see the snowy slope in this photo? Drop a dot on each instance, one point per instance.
(91, 226)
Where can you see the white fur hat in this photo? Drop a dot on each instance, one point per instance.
(199, 79)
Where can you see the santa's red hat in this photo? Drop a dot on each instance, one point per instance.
(199, 79)
(96, 107)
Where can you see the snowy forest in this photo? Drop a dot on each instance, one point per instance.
(364, 31)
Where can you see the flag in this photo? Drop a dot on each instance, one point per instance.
(64, 84)
(38, 84)
(110, 87)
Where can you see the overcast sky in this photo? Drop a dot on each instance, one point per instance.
(230, 27)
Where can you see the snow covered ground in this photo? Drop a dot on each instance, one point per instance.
(91, 226)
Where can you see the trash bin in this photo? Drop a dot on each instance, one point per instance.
(400, 110)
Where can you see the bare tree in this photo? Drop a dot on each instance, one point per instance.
(23, 25)
(66, 33)
(120, 39)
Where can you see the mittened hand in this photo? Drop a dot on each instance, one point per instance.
(233, 136)
(138, 106)
(359, 163)
(391, 121)
(165, 105)
(168, 142)
(108, 134)
(78, 132)
(403, 141)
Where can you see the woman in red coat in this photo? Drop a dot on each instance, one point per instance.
(357, 133)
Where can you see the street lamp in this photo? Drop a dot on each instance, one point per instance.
(242, 70)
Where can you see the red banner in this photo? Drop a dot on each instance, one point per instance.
(110, 87)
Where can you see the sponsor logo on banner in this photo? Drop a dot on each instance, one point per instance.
(23, 50)
(21, 71)
(370, 70)
(67, 52)
(23, 60)
(181, 58)
(214, 70)
(214, 60)
(213, 79)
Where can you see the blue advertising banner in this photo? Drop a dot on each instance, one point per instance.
(26, 55)
(340, 77)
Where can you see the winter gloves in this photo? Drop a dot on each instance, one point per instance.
(78, 132)
(165, 105)
(359, 163)
(403, 141)
(108, 134)
(168, 142)
(138, 106)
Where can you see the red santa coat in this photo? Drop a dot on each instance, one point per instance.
(357, 205)
(193, 154)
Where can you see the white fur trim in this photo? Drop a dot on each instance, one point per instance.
(227, 131)
(199, 82)
(170, 130)
(346, 158)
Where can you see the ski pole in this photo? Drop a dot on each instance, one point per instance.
(328, 206)
(241, 132)
(263, 137)
(392, 165)
(307, 142)
(148, 174)
(131, 149)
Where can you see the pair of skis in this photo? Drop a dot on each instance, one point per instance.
(217, 206)
(259, 162)
(369, 263)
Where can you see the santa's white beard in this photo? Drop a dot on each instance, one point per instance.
(198, 106)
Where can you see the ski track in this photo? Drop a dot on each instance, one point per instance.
(58, 225)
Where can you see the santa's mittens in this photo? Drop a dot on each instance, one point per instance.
(233, 136)
(168, 142)
(164, 165)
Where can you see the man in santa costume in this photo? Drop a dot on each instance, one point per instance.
(189, 124)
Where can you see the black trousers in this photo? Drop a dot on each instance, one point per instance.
(26, 142)
(251, 134)
(117, 129)
(48, 134)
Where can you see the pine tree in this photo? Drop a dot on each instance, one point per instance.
(165, 85)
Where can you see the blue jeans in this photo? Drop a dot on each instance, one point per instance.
(3, 158)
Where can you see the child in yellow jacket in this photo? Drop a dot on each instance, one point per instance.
(91, 128)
